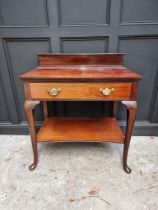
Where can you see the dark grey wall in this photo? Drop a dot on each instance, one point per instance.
(71, 26)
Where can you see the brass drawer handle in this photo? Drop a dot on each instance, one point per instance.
(54, 91)
(107, 91)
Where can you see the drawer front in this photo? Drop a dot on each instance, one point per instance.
(80, 91)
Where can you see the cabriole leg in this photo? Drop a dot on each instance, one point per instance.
(131, 116)
(29, 107)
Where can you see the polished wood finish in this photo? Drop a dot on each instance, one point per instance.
(134, 91)
(131, 116)
(81, 67)
(80, 59)
(72, 129)
(80, 77)
(75, 73)
(29, 107)
(80, 91)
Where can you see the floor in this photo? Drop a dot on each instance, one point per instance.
(78, 176)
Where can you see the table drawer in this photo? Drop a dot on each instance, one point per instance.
(80, 91)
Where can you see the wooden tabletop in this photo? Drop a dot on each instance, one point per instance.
(91, 67)
(81, 73)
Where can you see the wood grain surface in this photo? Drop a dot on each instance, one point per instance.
(80, 91)
(76, 129)
(81, 59)
(81, 73)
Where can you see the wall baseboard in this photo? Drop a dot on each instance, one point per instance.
(141, 128)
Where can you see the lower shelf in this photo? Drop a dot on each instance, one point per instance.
(79, 130)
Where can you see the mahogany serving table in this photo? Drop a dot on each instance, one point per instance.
(80, 77)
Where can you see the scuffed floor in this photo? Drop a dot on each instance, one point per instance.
(78, 176)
